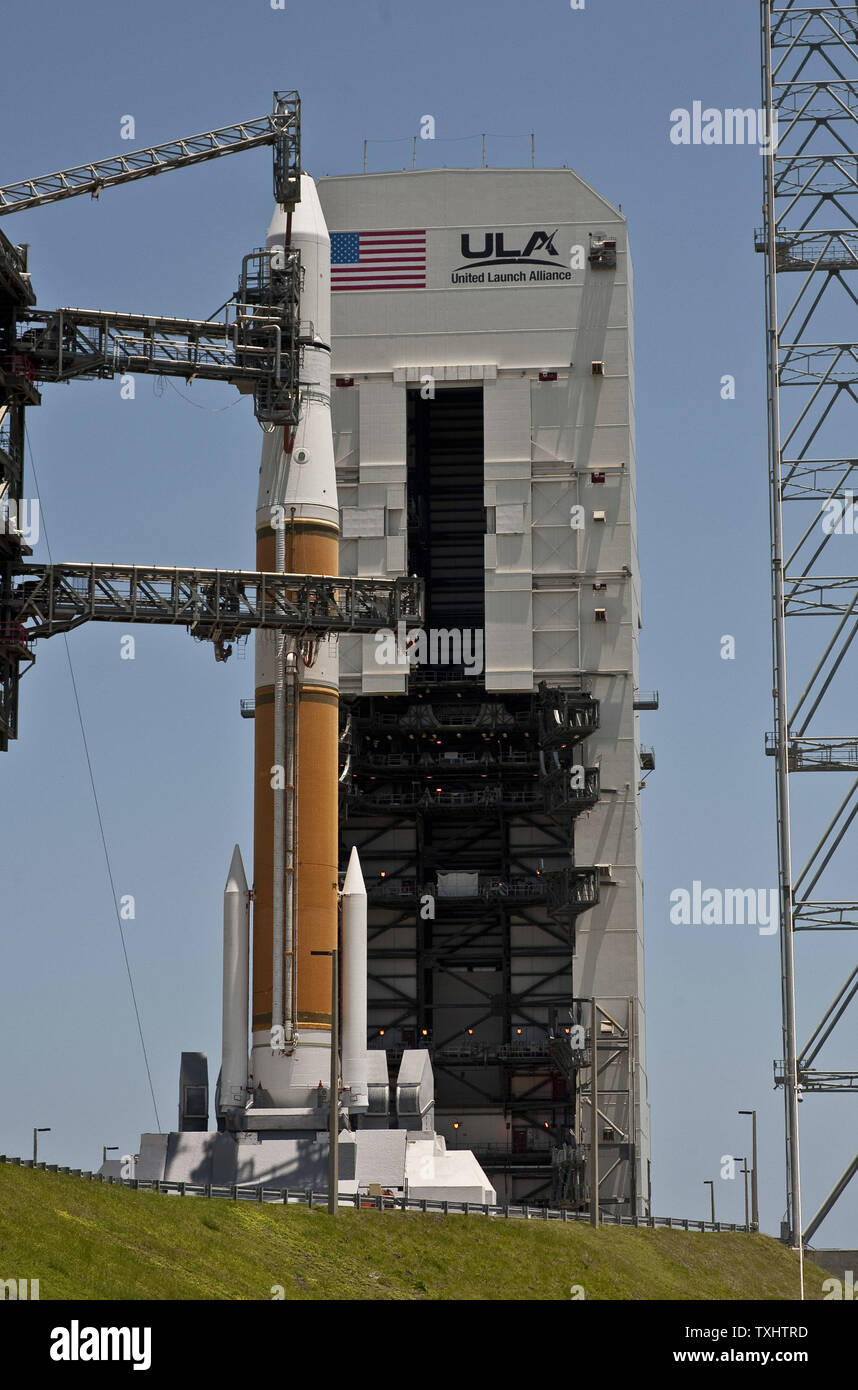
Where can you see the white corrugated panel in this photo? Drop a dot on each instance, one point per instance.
(506, 421)
(382, 423)
(509, 519)
(509, 639)
(363, 521)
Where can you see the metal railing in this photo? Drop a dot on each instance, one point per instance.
(310, 1197)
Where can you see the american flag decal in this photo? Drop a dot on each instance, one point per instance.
(378, 260)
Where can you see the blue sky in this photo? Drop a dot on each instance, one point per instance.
(171, 479)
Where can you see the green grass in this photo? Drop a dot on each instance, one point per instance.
(83, 1240)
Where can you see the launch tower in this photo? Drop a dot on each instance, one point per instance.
(483, 422)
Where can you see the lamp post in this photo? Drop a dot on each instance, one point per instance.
(745, 1172)
(108, 1149)
(334, 1089)
(594, 1117)
(709, 1182)
(45, 1129)
(755, 1210)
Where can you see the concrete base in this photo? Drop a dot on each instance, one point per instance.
(398, 1160)
(283, 1142)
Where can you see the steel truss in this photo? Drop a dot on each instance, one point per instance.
(217, 606)
(280, 128)
(810, 242)
(254, 343)
(229, 603)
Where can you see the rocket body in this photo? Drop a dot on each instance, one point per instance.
(296, 720)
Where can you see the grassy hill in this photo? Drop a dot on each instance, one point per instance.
(82, 1240)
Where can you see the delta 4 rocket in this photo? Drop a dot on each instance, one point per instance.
(297, 700)
(295, 887)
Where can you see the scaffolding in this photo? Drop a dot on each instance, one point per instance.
(253, 342)
(810, 243)
(472, 916)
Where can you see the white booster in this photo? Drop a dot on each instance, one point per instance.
(354, 935)
(236, 982)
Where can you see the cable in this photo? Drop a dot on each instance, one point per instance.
(97, 808)
(212, 409)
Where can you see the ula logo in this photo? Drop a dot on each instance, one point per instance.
(495, 252)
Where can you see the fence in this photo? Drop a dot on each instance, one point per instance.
(250, 1192)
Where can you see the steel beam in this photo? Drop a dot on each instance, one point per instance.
(839, 1188)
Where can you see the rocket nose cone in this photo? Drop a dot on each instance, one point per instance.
(354, 885)
(236, 881)
(308, 220)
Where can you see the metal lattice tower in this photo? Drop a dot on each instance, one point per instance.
(810, 241)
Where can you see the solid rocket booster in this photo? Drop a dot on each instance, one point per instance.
(236, 961)
(355, 1063)
(297, 530)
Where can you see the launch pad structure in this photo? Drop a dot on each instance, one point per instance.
(483, 477)
(497, 818)
(492, 764)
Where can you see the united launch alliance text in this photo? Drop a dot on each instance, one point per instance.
(506, 277)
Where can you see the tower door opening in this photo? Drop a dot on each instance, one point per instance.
(446, 512)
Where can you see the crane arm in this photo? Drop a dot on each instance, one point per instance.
(280, 128)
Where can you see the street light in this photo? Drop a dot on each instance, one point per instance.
(45, 1129)
(709, 1182)
(755, 1210)
(594, 1116)
(745, 1171)
(108, 1149)
(334, 1091)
